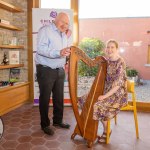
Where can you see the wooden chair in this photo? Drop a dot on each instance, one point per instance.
(131, 107)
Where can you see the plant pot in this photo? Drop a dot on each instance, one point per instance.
(135, 79)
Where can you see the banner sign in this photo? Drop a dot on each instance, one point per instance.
(42, 17)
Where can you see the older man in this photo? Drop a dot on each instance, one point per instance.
(52, 49)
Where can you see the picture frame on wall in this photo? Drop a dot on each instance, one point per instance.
(14, 75)
(14, 57)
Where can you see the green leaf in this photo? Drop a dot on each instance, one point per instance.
(92, 47)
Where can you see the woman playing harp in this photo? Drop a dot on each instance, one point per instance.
(115, 92)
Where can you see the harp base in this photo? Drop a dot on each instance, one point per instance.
(90, 143)
(73, 136)
(77, 132)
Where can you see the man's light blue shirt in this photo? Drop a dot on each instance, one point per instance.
(49, 43)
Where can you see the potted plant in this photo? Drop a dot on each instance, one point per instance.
(132, 74)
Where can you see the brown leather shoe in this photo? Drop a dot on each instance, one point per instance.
(62, 125)
(48, 130)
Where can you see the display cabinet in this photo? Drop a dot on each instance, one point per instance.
(16, 95)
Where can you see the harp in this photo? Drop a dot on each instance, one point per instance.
(86, 127)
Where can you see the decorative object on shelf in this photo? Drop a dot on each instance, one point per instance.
(20, 42)
(5, 39)
(14, 75)
(5, 60)
(13, 57)
(13, 41)
(4, 83)
(11, 83)
(4, 21)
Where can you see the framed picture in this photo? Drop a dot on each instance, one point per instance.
(13, 57)
(14, 75)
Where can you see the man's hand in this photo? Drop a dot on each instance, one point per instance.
(65, 51)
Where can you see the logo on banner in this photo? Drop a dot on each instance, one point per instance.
(53, 15)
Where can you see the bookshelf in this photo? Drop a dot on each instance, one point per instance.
(12, 97)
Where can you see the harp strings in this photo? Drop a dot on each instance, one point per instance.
(93, 95)
(76, 55)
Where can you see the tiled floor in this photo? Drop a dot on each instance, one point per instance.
(22, 132)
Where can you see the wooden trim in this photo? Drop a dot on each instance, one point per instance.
(10, 27)
(142, 106)
(12, 46)
(31, 4)
(7, 88)
(148, 55)
(11, 66)
(10, 7)
(74, 6)
(36, 3)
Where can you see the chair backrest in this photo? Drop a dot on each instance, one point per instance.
(130, 86)
(130, 89)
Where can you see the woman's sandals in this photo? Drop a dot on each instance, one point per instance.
(102, 138)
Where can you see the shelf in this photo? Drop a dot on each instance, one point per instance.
(12, 46)
(14, 96)
(10, 7)
(7, 88)
(11, 66)
(10, 27)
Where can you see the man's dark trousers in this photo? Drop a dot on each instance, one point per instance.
(50, 81)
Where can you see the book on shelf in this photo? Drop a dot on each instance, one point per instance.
(14, 75)
(13, 57)
(4, 21)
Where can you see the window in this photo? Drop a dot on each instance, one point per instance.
(60, 4)
(113, 8)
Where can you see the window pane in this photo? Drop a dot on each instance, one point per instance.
(60, 4)
(113, 8)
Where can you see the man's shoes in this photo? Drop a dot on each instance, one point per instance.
(62, 125)
(48, 130)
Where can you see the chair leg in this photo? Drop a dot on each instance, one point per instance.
(108, 132)
(136, 123)
(116, 120)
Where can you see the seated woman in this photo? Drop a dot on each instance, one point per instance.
(115, 91)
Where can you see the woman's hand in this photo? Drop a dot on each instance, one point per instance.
(101, 97)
